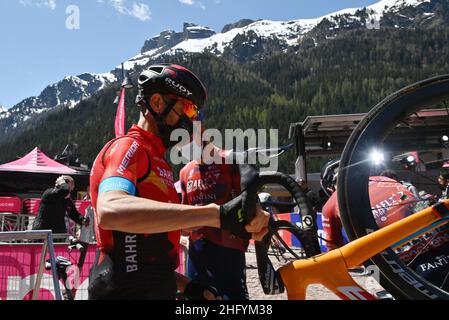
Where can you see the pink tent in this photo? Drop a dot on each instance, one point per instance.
(36, 172)
(38, 162)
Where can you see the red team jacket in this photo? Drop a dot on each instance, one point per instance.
(390, 201)
(427, 255)
(137, 157)
(203, 184)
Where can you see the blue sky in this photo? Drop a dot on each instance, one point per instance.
(38, 49)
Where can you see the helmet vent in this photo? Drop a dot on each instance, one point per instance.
(157, 69)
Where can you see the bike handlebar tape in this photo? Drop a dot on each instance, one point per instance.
(232, 218)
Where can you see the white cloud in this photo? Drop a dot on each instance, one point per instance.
(192, 3)
(137, 10)
(141, 11)
(51, 4)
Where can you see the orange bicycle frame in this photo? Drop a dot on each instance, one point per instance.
(331, 269)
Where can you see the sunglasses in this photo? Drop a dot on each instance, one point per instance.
(190, 110)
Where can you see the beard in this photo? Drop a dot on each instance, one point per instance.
(165, 130)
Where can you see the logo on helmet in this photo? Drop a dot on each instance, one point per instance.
(178, 87)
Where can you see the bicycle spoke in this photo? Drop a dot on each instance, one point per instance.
(446, 278)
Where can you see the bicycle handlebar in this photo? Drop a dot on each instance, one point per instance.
(251, 182)
(254, 155)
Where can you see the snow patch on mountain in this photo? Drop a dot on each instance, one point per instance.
(288, 32)
(245, 38)
(67, 92)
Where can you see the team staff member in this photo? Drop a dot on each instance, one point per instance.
(443, 181)
(391, 201)
(216, 257)
(138, 217)
(55, 204)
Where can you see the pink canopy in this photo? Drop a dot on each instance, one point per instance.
(37, 162)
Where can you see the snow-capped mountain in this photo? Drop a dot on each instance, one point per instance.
(241, 41)
(67, 92)
(250, 39)
(170, 38)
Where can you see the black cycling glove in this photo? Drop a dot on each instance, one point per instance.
(232, 218)
(195, 290)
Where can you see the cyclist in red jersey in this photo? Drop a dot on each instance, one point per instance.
(391, 201)
(443, 181)
(216, 257)
(137, 210)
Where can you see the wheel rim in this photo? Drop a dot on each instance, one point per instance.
(355, 170)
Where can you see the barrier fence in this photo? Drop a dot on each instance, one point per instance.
(21, 265)
(295, 218)
(21, 270)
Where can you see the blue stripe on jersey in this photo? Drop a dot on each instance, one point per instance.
(117, 183)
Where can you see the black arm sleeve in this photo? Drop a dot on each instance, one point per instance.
(73, 213)
(56, 193)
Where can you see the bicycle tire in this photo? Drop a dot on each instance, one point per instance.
(353, 191)
(295, 231)
(283, 245)
(309, 228)
(270, 279)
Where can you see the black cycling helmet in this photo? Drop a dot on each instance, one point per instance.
(172, 79)
(328, 176)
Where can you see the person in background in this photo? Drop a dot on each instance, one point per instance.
(138, 218)
(216, 257)
(443, 181)
(55, 204)
(390, 200)
(392, 175)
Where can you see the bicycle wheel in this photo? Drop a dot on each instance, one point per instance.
(280, 248)
(305, 231)
(405, 127)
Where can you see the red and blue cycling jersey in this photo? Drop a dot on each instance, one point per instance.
(202, 184)
(391, 201)
(216, 257)
(135, 164)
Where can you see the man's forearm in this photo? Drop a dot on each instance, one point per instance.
(138, 215)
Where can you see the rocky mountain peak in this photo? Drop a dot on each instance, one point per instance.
(169, 38)
(239, 24)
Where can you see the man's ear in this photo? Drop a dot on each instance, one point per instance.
(157, 103)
